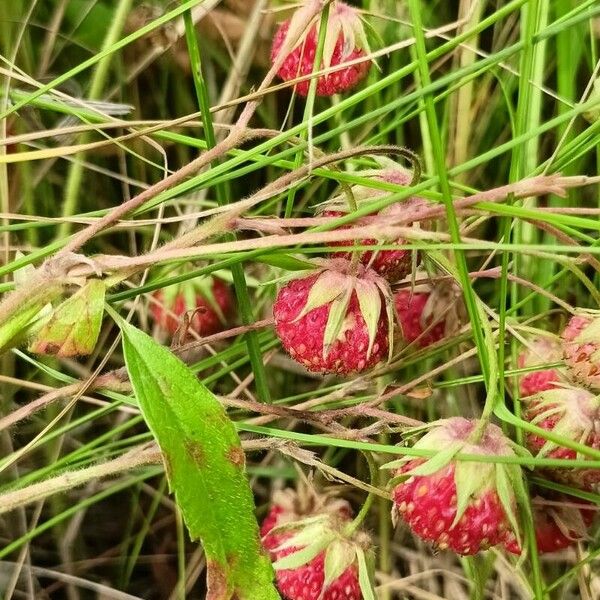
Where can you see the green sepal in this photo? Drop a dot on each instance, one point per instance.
(74, 326)
(339, 556)
(366, 569)
(369, 302)
(336, 319)
(287, 262)
(520, 451)
(508, 479)
(304, 555)
(396, 480)
(328, 286)
(309, 530)
(398, 463)
(470, 479)
(590, 333)
(331, 38)
(390, 310)
(437, 462)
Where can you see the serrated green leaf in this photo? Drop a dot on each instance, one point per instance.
(204, 462)
(365, 580)
(74, 326)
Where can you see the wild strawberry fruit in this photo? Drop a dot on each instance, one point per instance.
(541, 351)
(581, 346)
(393, 264)
(574, 414)
(316, 555)
(336, 320)
(345, 41)
(465, 506)
(429, 312)
(211, 302)
(558, 524)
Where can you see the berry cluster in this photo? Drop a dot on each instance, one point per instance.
(344, 316)
(349, 314)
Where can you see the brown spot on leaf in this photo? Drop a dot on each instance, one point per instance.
(232, 559)
(216, 582)
(195, 452)
(236, 456)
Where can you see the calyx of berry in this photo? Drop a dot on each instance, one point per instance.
(541, 350)
(295, 504)
(574, 411)
(343, 21)
(325, 533)
(393, 173)
(335, 286)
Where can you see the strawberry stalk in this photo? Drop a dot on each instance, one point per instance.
(366, 507)
(310, 103)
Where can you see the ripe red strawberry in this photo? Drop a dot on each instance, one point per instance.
(212, 305)
(429, 312)
(411, 309)
(462, 505)
(541, 351)
(581, 345)
(394, 264)
(573, 413)
(315, 555)
(345, 41)
(558, 525)
(335, 321)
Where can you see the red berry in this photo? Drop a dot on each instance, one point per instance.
(335, 321)
(574, 414)
(346, 41)
(394, 264)
(306, 582)
(411, 309)
(429, 312)
(459, 505)
(541, 351)
(288, 529)
(581, 345)
(557, 525)
(212, 306)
